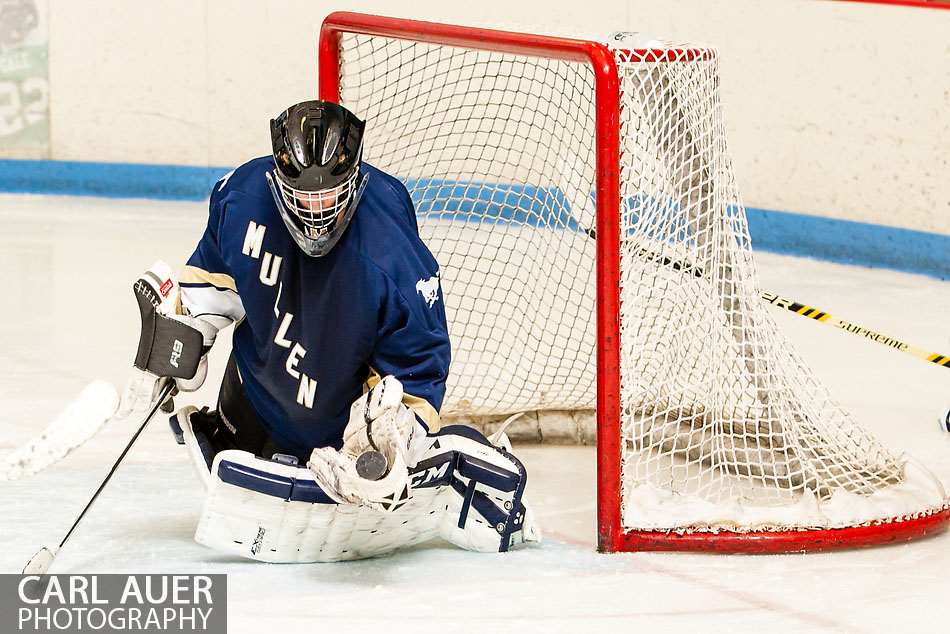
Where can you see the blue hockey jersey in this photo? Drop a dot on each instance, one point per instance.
(311, 331)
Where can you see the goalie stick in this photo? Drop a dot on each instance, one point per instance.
(78, 422)
(43, 559)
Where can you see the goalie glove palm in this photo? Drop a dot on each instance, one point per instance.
(336, 473)
(378, 422)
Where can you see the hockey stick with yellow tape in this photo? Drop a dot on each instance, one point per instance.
(813, 313)
(855, 329)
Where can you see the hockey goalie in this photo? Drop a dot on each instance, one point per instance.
(326, 442)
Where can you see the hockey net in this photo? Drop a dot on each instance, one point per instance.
(556, 180)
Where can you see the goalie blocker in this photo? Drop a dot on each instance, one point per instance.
(167, 347)
(464, 490)
(172, 345)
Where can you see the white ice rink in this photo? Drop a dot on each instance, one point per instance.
(67, 316)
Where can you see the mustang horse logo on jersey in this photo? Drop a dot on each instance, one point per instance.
(429, 289)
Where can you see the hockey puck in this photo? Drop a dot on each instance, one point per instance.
(371, 465)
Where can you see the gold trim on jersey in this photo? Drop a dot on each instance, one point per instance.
(194, 275)
(417, 404)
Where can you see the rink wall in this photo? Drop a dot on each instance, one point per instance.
(838, 113)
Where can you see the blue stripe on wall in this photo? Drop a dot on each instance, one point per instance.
(779, 232)
(110, 180)
(850, 242)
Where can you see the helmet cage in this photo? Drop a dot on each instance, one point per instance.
(317, 219)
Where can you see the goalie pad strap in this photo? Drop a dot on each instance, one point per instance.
(486, 473)
(467, 495)
(497, 518)
(285, 488)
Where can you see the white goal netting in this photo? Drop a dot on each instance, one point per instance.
(724, 427)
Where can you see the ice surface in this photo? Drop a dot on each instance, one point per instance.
(67, 316)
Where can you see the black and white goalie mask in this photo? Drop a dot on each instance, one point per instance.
(317, 184)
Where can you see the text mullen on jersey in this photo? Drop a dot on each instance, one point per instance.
(311, 331)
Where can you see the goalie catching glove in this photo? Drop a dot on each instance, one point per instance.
(172, 346)
(381, 432)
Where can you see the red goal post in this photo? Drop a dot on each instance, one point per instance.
(611, 201)
(607, 199)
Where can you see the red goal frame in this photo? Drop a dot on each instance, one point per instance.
(611, 536)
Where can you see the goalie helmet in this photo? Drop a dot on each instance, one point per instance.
(317, 182)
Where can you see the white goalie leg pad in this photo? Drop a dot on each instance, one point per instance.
(485, 509)
(274, 512)
(464, 490)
